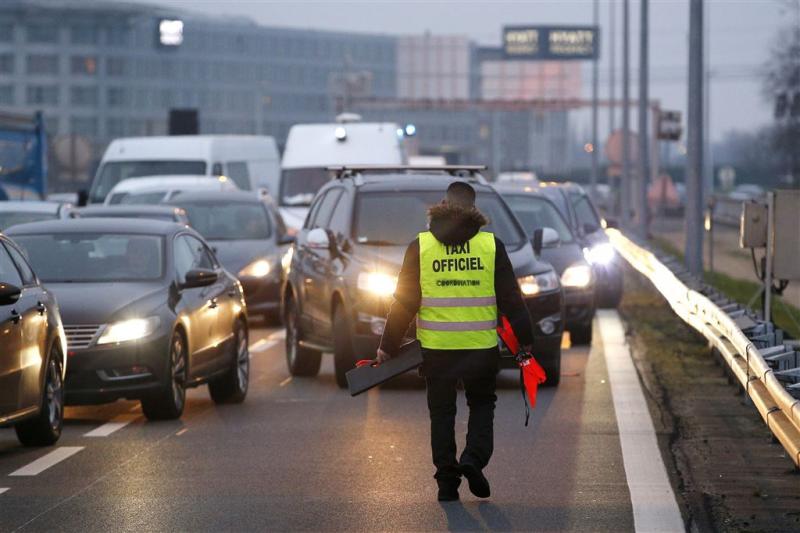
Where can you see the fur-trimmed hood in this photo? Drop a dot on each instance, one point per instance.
(452, 224)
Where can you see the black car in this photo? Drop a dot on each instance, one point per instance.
(249, 238)
(32, 352)
(578, 209)
(344, 267)
(147, 310)
(535, 211)
(150, 212)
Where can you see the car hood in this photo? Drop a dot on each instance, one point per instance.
(101, 303)
(235, 255)
(563, 256)
(294, 217)
(390, 258)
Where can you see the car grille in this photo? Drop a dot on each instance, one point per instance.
(80, 337)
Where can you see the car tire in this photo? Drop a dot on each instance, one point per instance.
(232, 386)
(45, 428)
(344, 358)
(168, 404)
(551, 364)
(301, 361)
(581, 335)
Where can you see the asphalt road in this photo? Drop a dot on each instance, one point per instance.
(300, 454)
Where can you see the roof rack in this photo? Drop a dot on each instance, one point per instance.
(343, 171)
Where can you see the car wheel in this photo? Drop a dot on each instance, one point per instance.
(300, 360)
(551, 364)
(168, 404)
(232, 387)
(581, 335)
(344, 358)
(45, 429)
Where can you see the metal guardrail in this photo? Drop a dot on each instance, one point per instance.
(767, 368)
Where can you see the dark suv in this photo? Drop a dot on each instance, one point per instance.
(578, 209)
(343, 269)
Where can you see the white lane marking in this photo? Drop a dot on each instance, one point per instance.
(181, 432)
(3, 489)
(117, 423)
(652, 498)
(262, 345)
(278, 335)
(51, 459)
(285, 381)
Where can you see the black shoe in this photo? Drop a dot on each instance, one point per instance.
(478, 484)
(448, 492)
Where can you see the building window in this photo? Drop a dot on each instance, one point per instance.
(118, 36)
(83, 34)
(7, 63)
(83, 65)
(42, 64)
(6, 32)
(116, 66)
(83, 126)
(42, 33)
(83, 96)
(42, 95)
(117, 97)
(7, 94)
(115, 127)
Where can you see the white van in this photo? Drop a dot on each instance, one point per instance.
(310, 148)
(152, 190)
(250, 161)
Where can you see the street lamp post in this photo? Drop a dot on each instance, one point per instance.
(626, 126)
(595, 65)
(644, 148)
(694, 160)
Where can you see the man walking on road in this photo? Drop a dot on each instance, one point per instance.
(456, 278)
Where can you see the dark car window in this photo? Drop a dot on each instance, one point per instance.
(9, 218)
(238, 172)
(8, 271)
(392, 218)
(584, 212)
(555, 195)
(202, 257)
(191, 254)
(534, 213)
(300, 185)
(28, 277)
(144, 198)
(340, 221)
(227, 221)
(94, 257)
(325, 211)
(113, 172)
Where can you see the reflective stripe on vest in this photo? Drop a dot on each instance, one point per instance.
(458, 310)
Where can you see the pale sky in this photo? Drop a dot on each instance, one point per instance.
(741, 35)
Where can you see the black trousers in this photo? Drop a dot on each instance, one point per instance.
(481, 400)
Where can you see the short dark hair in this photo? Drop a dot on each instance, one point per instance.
(461, 194)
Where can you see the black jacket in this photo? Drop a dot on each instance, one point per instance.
(454, 225)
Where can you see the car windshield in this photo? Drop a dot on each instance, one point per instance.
(9, 218)
(535, 212)
(228, 221)
(300, 185)
(394, 218)
(144, 198)
(113, 172)
(94, 257)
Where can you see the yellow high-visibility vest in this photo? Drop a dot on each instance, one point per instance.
(458, 309)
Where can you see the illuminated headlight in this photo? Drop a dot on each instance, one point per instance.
(600, 254)
(129, 330)
(377, 283)
(531, 285)
(577, 276)
(257, 269)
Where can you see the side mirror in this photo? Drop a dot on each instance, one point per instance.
(199, 277)
(317, 239)
(287, 239)
(83, 198)
(536, 241)
(550, 238)
(9, 294)
(611, 223)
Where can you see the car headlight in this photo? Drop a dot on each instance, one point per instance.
(129, 330)
(600, 254)
(377, 283)
(579, 275)
(257, 269)
(530, 285)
